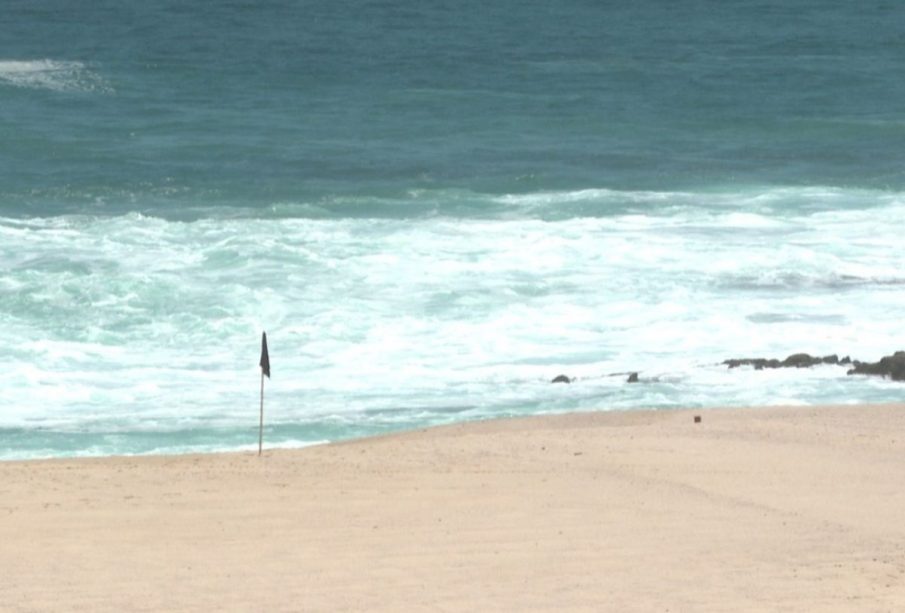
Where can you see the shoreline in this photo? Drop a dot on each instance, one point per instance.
(762, 508)
(615, 413)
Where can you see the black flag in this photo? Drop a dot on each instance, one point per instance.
(265, 357)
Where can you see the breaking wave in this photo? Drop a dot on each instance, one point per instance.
(60, 76)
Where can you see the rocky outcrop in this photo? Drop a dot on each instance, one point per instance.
(892, 366)
(796, 360)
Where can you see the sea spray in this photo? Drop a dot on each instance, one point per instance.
(133, 325)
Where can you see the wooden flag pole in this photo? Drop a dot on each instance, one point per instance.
(261, 428)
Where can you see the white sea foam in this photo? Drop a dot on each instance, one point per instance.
(56, 75)
(145, 324)
(738, 202)
(553, 197)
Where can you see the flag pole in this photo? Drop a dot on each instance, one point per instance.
(265, 370)
(261, 428)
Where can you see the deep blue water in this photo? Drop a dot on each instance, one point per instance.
(238, 104)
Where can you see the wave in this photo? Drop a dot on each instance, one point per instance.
(143, 332)
(754, 196)
(764, 209)
(797, 281)
(54, 75)
(752, 208)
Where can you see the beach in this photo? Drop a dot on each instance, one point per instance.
(503, 258)
(765, 509)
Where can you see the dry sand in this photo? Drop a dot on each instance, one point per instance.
(786, 509)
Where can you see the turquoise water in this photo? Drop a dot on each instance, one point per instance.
(433, 210)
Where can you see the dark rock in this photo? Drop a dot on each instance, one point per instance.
(561, 379)
(796, 360)
(803, 360)
(736, 362)
(800, 360)
(697, 419)
(757, 363)
(632, 378)
(892, 366)
(845, 360)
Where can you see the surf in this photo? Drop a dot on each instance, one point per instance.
(53, 75)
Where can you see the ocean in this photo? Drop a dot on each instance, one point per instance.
(433, 209)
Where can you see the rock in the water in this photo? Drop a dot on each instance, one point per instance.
(757, 363)
(803, 360)
(799, 360)
(796, 360)
(561, 379)
(892, 366)
(632, 378)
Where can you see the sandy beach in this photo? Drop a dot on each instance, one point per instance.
(779, 509)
